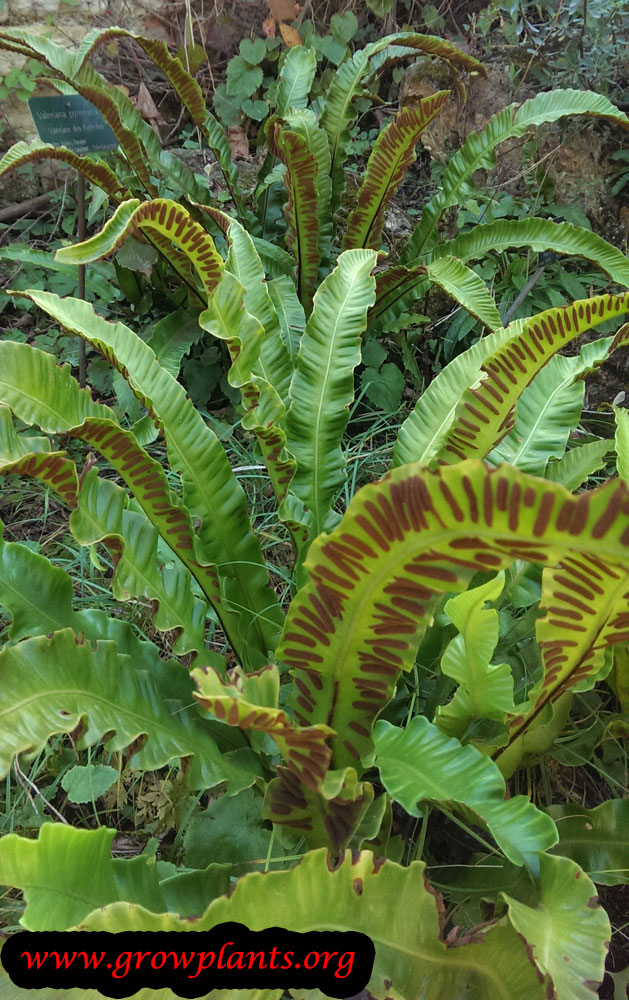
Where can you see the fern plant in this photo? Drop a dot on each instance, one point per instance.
(300, 715)
(301, 185)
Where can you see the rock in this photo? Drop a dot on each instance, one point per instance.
(460, 115)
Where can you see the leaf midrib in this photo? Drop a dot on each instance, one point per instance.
(549, 399)
(318, 463)
(358, 627)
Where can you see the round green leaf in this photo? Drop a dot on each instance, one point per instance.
(421, 764)
(597, 839)
(243, 79)
(253, 51)
(255, 109)
(344, 26)
(567, 932)
(85, 783)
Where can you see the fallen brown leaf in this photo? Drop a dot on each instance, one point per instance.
(268, 26)
(291, 37)
(155, 27)
(238, 142)
(145, 104)
(283, 10)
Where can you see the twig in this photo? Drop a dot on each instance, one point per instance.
(27, 783)
(302, 13)
(538, 48)
(22, 208)
(525, 291)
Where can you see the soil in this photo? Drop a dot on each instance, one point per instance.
(615, 899)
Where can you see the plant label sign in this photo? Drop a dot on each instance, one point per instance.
(73, 122)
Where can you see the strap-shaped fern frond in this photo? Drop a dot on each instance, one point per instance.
(211, 491)
(417, 534)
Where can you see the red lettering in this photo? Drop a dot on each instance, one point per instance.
(203, 956)
(220, 954)
(235, 960)
(252, 957)
(184, 959)
(35, 960)
(64, 960)
(93, 961)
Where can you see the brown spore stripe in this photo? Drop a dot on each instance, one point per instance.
(547, 333)
(333, 601)
(490, 370)
(502, 493)
(388, 621)
(320, 614)
(314, 677)
(299, 658)
(560, 315)
(587, 591)
(605, 569)
(534, 334)
(557, 623)
(514, 507)
(472, 409)
(311, 630)
(491, 389)
(388, 520)
(553, 661)
(433, 572)
(349, 552)
(357, 728)
(531, 555)
(351, 749)
(488, 559)
(565, 515)
(483, 401)
(381, 647)
(580, 514)
(565, 612)
(515, 355)
(367, 706)
(506, 424)
(608, 517)
(451, 501)
(306, 703)
(368, 527)
(551, 677)
(471, 499)
(378, 667)
(302, 687)
(457, 452)
(543, 514)
(488, 502)
(470, 429)
(561, 595)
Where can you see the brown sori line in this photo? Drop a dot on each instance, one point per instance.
(556, 623)
(562, 612)
(543, 514)
(514, 508)
(580, 515)
(514, 356)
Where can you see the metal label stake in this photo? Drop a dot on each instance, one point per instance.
(71, 121)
